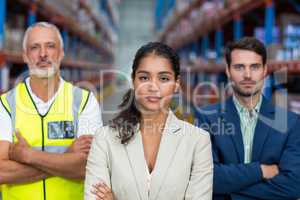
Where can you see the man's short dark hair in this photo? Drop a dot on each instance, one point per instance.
(246, 43)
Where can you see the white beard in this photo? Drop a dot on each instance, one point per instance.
(43, 73)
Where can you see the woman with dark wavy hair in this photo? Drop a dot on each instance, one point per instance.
(146, 152)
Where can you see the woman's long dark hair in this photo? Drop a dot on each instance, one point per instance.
(126, 121)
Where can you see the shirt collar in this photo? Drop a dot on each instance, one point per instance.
(243, 109)
(61, 83)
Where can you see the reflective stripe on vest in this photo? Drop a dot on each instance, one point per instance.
(52, 149)
(11, 100)
(77, 99)
(35, 128)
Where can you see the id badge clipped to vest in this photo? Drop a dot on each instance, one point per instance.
(61, 130)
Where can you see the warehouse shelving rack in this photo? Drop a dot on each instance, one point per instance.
(232, 15)
(71, 30)
(208, 34)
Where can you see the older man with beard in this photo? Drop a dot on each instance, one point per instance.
(46, 125)
(258, 157)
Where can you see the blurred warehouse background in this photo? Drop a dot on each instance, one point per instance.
(101, 37)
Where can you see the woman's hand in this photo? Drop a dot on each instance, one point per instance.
(102, 192)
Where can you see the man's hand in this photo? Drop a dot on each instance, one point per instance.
(20, 151)
(269, 171)
(81, 145)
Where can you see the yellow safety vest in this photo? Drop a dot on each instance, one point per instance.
(52, 132)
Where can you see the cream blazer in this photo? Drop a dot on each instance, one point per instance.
(183, 169)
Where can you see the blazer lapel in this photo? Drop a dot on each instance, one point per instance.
(135, 153)
(262, 128)
(167, 150)
(232, 117)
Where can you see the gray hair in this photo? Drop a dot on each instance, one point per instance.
(45, 25)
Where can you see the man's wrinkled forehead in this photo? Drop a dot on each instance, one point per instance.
(42, 35)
